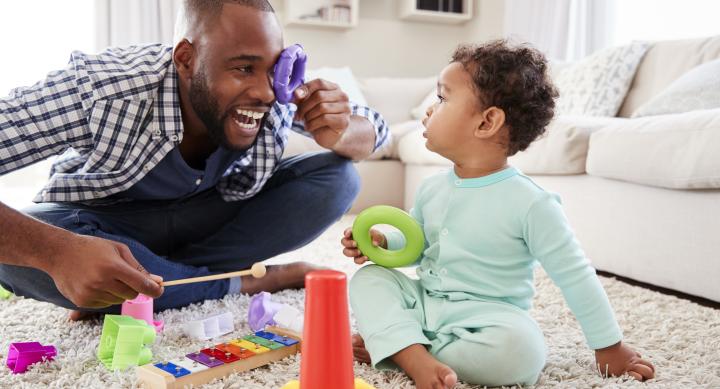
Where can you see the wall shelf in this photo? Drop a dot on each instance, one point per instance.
(436, 11)
(333, 14)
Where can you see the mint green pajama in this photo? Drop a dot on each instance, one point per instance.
(469, 306)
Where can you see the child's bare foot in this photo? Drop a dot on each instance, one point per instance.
(359, 351)
(426, 371)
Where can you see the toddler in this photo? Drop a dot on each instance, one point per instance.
(486, 225)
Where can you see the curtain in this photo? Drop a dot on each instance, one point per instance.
(128, 22)
(564, 30)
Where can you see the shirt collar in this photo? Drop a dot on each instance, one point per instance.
(167, 107)
(478, 182)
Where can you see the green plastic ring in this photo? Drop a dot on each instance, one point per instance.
(384, 214)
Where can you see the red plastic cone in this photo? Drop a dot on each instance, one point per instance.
(327, 360)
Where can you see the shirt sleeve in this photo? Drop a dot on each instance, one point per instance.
(552, 242)
(382, 134)
(42, 120)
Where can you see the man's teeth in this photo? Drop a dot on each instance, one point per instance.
(245, 125)
(251, 114)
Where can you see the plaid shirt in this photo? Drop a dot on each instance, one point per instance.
(114, 116)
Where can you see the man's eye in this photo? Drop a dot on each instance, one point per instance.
(440, 98)
(244, 69)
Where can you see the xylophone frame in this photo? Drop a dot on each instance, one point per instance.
(155, 378)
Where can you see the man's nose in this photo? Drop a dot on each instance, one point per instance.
(263, 91)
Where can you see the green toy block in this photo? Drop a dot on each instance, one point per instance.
(4, 294)
(123, 341)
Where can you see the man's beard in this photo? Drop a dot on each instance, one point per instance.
(206, 107)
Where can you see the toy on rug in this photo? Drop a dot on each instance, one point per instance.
(22, 355)
(265, 312)
(210, 327)
(123, 342)
(4, 293)
(384, 214)
(141, 308)
(237, 355)
(324, 363)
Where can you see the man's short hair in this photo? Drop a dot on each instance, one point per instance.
(191, 10)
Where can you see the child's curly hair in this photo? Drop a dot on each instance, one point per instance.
(514, 79)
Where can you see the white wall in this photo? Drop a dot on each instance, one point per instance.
(384, 45)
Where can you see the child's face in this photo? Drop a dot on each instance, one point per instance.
(451, 121)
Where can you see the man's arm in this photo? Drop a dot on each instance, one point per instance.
(110, 273)
(35, 123)
(337, 124)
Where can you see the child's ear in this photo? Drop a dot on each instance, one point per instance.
(492, 121)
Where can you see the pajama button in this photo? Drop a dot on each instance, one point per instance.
(444, 231)
(443, 271)
(458, 182)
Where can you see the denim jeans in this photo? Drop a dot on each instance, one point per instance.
(203, 234)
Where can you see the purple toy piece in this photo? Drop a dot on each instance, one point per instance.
(261, 311)
(204, 359)
(22, 355)
(289, 72)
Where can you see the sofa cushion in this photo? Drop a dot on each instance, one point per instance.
(697, 89)
(418, 112)
(663, 63)
(597, 84)
(394, 98)
(676, 151)
(412, 150)
(563, 147)
(343, 77)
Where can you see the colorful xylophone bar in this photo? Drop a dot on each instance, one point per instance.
(242, 354)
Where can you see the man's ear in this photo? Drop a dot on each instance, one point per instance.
(184, 58)
(492, 121)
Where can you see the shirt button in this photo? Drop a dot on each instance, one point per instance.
(198, 181)
(444, 231)
(458, 182)
(146, 168)
(157, 132)
(174, 138)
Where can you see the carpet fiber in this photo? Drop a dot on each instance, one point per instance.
(681, 338)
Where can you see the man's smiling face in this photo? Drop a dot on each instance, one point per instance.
(231, 87)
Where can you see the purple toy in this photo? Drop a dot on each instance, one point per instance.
(261, 311)
(22, 355)
(289, 72)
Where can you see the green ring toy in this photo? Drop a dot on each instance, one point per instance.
(383, 214)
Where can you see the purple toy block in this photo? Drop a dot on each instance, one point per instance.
(22, 355)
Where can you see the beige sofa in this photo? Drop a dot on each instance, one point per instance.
(641, 193)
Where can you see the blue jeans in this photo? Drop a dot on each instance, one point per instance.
(203, 234)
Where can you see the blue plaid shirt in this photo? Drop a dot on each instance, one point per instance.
(113, 116)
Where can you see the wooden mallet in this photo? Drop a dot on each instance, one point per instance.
(257, 270)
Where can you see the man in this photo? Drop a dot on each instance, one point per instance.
(171, 166)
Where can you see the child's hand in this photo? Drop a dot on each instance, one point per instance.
(350, 246)
(619, 359)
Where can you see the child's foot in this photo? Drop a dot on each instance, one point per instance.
(360, 353)
(424, 369)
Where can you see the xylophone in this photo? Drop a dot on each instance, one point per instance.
(237, 355)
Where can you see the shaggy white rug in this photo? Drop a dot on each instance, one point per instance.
(681, 338)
